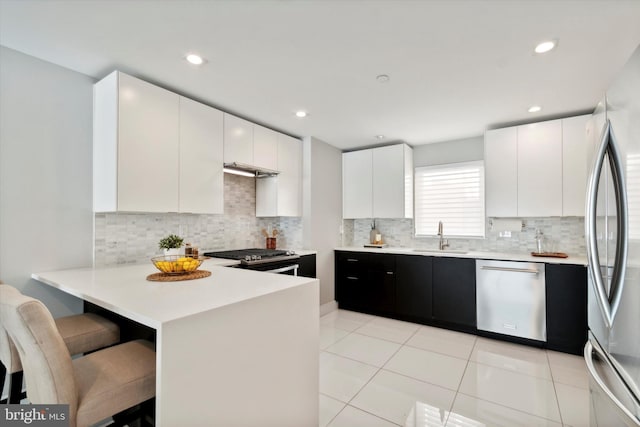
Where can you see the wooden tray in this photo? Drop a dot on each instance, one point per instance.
(550, 254)
(164, 277)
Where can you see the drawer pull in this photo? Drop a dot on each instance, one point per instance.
(352, 278)
(352, 260)
(390, 273)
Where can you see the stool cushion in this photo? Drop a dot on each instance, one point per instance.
(87, 332)
(114, 379)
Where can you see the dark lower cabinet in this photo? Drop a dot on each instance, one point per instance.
(454, 293)
(381, 285)
(566, 301)
(441, 291)
(351, 280)
(307, 265)
(413, 288)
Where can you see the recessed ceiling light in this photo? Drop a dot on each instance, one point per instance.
(380, 136)
(195, 59)
(534, 108)
(382, 78)
(546, 46)
(301, 113)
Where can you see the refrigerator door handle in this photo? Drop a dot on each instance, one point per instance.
(608, 303)
(589, 349)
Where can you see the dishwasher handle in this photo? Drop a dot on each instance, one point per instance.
(511, 270)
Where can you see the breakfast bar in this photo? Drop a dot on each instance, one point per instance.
(236, 348)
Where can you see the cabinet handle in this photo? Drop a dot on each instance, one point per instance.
(390, 272)
(352, 278)
(352, 260)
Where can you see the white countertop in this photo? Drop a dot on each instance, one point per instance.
(125, 290)
(574, 260)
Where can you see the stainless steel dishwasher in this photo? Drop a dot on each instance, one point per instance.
(510, 298)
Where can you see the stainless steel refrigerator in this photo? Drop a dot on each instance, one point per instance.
(612, 232)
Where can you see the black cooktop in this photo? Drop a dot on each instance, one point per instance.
(241, 254)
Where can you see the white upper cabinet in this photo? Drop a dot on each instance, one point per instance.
(501, 172)
(540, 169)
(378, 182)
(238, 140)
(281, 195)
(357, 184)
(575, 155)
(537, 170)
(136, 144)
(265, 148)
(393, 182)
(154, 151)
(201, 158)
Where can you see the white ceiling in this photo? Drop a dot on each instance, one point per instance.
(456, 67)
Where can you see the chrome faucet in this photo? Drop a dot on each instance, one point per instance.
(444, 243)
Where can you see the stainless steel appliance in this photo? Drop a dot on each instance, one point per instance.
(510, 298)
(612, 232)
(267, 260)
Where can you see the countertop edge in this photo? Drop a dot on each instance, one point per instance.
(571, 260)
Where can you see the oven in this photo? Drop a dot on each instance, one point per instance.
(267, 260)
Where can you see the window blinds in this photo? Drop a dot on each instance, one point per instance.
(451, 193)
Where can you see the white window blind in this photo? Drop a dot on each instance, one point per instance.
(451, 193)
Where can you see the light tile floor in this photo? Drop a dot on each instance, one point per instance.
(383, 372)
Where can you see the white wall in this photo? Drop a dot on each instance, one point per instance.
(322, 208)
(460, 150)
(46, 219)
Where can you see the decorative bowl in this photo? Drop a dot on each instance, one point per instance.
(176, 264)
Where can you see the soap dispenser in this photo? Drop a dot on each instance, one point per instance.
(539, 241)
(373, 235)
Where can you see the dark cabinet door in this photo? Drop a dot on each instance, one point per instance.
(414, 287)
(351, 280)
(566, 300)
(454, 292)
(380, 291)
(307, 265)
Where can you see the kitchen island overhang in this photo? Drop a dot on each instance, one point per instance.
(237, 348)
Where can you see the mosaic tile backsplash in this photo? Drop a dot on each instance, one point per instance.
(123, 238)
(565, 234)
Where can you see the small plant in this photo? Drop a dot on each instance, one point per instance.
(170, 242)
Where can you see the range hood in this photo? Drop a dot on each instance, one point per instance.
(248, 170)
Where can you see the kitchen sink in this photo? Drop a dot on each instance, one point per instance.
(438, 251)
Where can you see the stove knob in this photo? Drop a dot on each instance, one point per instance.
(291, 252)
(247, 258)
(258, 257)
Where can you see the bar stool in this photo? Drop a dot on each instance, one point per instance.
(81, 333)
(96, 386)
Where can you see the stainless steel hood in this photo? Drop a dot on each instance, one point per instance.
(248, 170)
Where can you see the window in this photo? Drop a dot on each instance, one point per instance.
(451, 193)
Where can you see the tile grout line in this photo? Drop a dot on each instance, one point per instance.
(555, 391)
(374, 375)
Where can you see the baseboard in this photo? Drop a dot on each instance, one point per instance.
(328, 307)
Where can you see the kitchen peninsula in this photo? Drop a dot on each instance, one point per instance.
(237, 348)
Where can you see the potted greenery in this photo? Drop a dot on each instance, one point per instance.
(171, 244)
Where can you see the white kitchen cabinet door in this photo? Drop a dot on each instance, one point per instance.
(201, 158)
(575, 152)
(357, 184)
(290, 176)
(238, 140)
(392, 182)
(148, 162)
(540, 169)
(501, 172)
(265, 148)
(281, 195)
